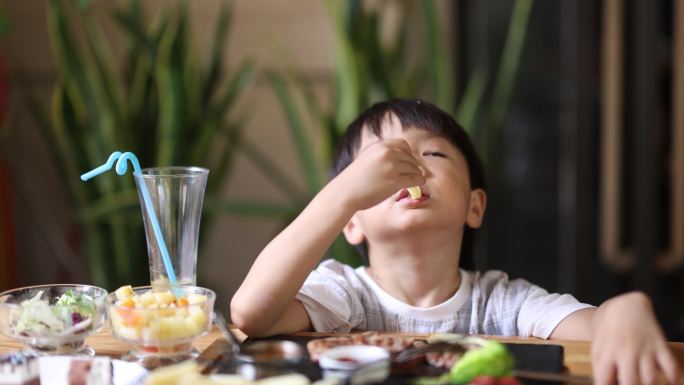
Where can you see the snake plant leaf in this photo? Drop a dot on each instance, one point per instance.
(231, 133)
(216, 60)
(296, 125)
(130, 22)
(83, 89)
(244, 76)
(438, 60)
(103, 207)
(111, 87)
(472, 100)
(172, 107)
(271, 170)
(62, 142)
(510, 60)
(346, 72)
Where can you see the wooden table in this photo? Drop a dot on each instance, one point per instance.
(577, 353)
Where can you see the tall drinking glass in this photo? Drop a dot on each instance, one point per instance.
(176, 194)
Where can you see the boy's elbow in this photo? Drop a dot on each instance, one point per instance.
(247, 319)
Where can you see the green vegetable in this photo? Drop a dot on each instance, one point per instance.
(492, 359)
(80, 303)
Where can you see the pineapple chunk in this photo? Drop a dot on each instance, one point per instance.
(146, 299)
(197, 299)
(198, 316)
(151, 333)
(164, 297)
(124, 292)
(173, 327)
(192, 327)
(415, 192)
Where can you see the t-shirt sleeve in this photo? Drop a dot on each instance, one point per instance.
(329, 298)
(541, 312)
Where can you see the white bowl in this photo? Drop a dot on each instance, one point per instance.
(350, 357)
(361, 364)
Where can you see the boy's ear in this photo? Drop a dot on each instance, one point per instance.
(352, 231)
(476, 209)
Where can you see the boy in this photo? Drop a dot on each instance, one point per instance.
(415, 247)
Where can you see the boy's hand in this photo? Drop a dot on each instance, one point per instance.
(379, 171)
(628, 345)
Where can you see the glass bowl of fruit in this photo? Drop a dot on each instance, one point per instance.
(160, 325)
(53, 319)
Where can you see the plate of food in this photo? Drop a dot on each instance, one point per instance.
(441, 359)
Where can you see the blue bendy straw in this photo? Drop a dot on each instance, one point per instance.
(121, 167)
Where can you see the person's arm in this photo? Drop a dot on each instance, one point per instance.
(627, 342)
(265, 303)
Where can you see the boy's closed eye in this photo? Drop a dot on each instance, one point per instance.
(434, 153)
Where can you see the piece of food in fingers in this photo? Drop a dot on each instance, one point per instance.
(414, 192)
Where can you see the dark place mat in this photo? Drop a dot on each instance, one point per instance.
(529, 357)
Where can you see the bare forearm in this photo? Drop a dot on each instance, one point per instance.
(583, 324)
(610, 310)
(281, 268)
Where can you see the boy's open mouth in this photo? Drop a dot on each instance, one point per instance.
(404, 195)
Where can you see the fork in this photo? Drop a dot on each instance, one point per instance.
(417, 351)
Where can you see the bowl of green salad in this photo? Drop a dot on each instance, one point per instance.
(53, 319)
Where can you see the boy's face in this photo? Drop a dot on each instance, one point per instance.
(447, 204)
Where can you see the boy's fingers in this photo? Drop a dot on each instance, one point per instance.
(647, 370)
(627, 371)
(407, 167)
(604, 373)
(669, 366)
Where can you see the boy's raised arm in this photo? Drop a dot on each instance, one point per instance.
(265, 303)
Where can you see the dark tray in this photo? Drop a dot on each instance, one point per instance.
(529, 357)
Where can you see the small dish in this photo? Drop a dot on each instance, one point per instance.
(356, 364)
(352, 356)
(268, 358)
(53, 319)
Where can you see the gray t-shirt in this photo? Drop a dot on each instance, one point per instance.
(340, 298)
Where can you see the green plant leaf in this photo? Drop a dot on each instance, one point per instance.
(438, 60)
(171, 85)
(296, 125)
(103, 207)
(271, 170)
(472, 98)
(215, 62)
(216, 115)
(508, 68)
(346, 72)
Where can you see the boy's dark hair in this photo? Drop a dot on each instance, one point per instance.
(422, 115)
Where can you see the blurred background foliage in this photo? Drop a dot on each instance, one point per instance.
(167, 105)
(370, 65)
(172, 107)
